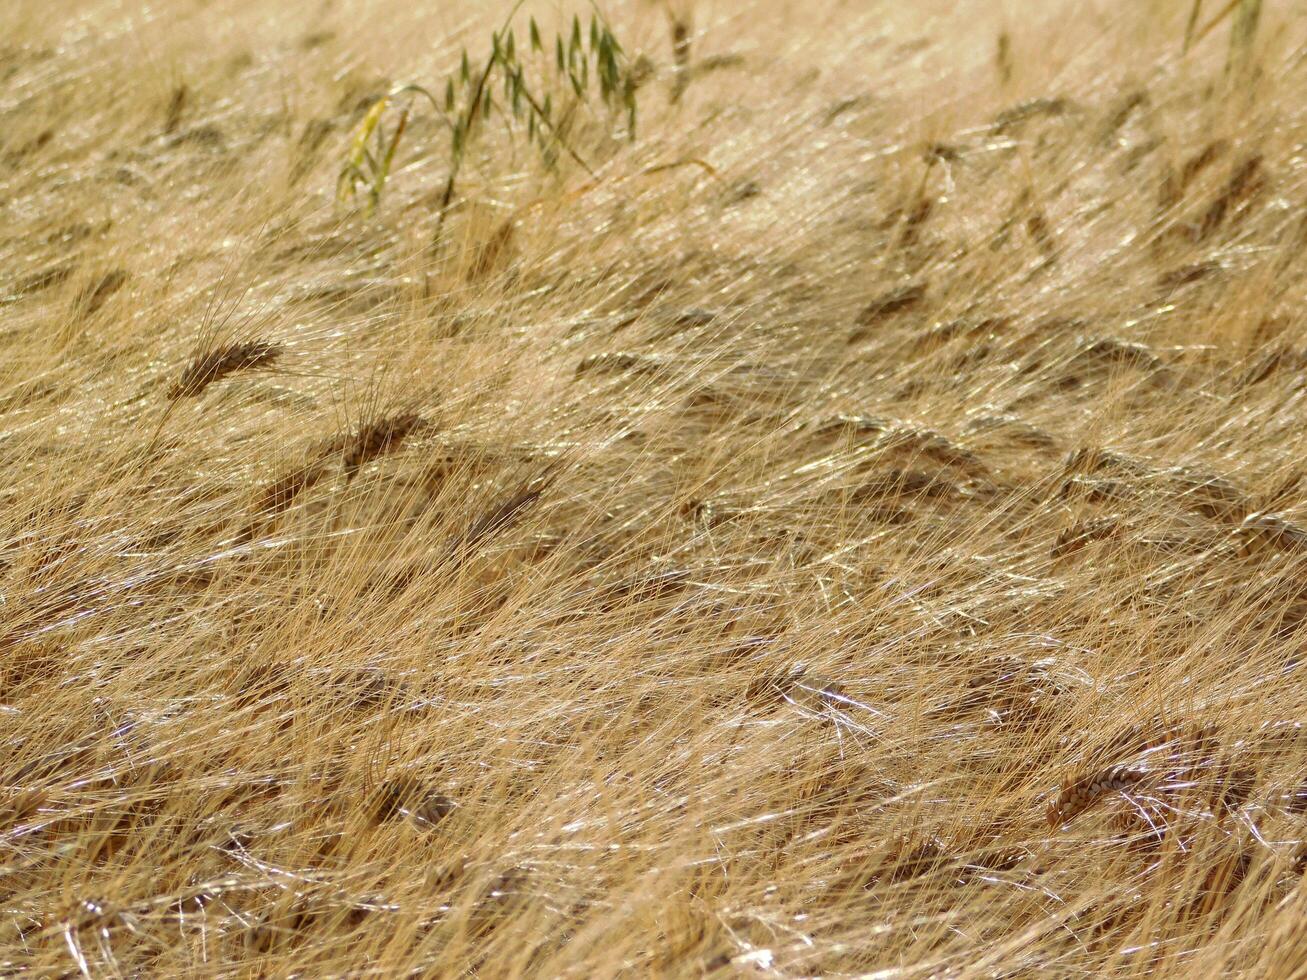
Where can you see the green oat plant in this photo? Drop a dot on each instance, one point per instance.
(588, 68)
(1247, 16)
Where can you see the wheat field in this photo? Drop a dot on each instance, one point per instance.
(851, 523)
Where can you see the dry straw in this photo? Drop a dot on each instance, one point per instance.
(884, 560)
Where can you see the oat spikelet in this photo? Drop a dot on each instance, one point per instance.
(681, 57)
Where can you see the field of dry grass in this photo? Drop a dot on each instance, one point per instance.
(859, 529)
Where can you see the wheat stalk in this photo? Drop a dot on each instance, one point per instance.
(211, 367)
(1081, 793)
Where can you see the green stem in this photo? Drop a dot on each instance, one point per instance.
(1193, 23)
(553, 131)
(473, 114)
